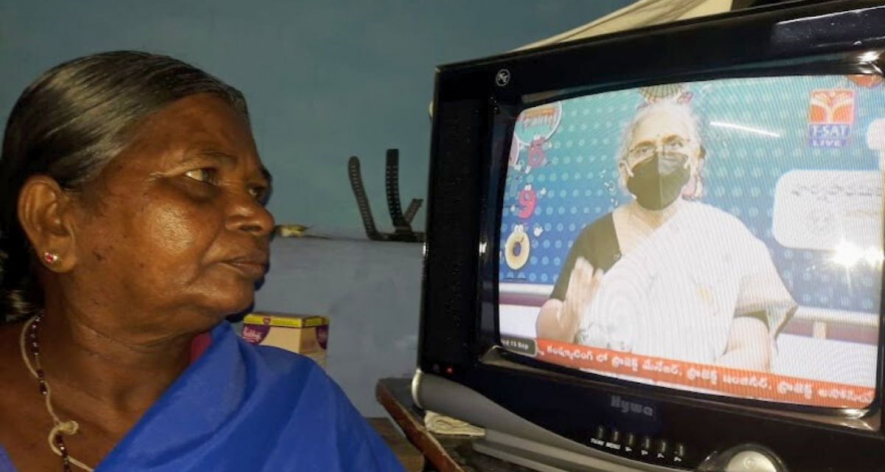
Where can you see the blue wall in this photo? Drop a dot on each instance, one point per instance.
(325, 80)
(371, 291)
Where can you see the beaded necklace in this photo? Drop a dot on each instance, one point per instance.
(29, 339)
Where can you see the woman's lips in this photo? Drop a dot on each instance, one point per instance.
(253, 267)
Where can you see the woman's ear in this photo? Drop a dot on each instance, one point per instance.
(699, 161)
(695, 187)
(624, 171)
(43, 212)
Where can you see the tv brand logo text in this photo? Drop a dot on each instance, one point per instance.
(632, 407)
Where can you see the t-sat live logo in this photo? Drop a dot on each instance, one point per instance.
(830, 117)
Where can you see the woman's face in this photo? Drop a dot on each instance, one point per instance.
(660, 132)
(661, 159)
(175, 226)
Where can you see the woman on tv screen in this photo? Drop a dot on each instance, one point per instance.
(664, 275)
(732, 247)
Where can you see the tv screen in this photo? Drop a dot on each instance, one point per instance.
(721, 237)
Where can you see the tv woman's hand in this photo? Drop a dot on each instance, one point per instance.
(560, 319)
(583, 284)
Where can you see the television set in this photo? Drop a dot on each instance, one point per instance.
(662, 249)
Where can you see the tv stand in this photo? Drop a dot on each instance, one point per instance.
(540, 458)
(509, 453)
(445, 453)
(496, 452)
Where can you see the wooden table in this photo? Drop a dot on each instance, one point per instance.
(442, 453)
(411, 458)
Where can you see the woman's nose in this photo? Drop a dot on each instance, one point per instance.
(251, 216)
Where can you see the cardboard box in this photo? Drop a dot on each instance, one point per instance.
(307, 335)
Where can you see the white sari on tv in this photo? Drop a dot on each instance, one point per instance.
(675, 294)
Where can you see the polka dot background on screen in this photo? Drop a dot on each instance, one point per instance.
(580, 182)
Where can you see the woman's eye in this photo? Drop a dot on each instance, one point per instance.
(259, 193)
(206, 175)
(675, 145)
(642, 152)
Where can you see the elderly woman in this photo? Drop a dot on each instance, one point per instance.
(664, 276)
(133, 222)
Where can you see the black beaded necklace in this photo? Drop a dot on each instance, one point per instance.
(30, 342)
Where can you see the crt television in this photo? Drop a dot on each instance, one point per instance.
(662, 249)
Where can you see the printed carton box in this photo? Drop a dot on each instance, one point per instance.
(307, 335)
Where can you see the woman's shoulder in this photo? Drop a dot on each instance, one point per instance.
(598, 239)
(292, 372)
(604, 225)
(283, 373)
(722, 223)
(313, 401)
(282, 361)
(715, 215)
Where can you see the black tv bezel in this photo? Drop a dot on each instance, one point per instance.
(492, 220)
(791, 39)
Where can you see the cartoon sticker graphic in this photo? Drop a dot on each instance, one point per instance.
(528, 200)
(517, 248)
(533, 130)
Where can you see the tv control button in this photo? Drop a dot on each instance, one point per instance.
(616, 436)
(629, 443)
(751, 461)
(679, 450)
(600, 432)
(678, 453)
(662, 449)
(598, 439)
(630, 440)
(645, 447)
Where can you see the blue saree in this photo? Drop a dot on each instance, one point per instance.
(245, 408)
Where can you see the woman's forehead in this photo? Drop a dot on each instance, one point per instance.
(204, 114)
(661, 124)
(201, 122)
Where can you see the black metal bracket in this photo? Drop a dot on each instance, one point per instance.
(402, 222)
